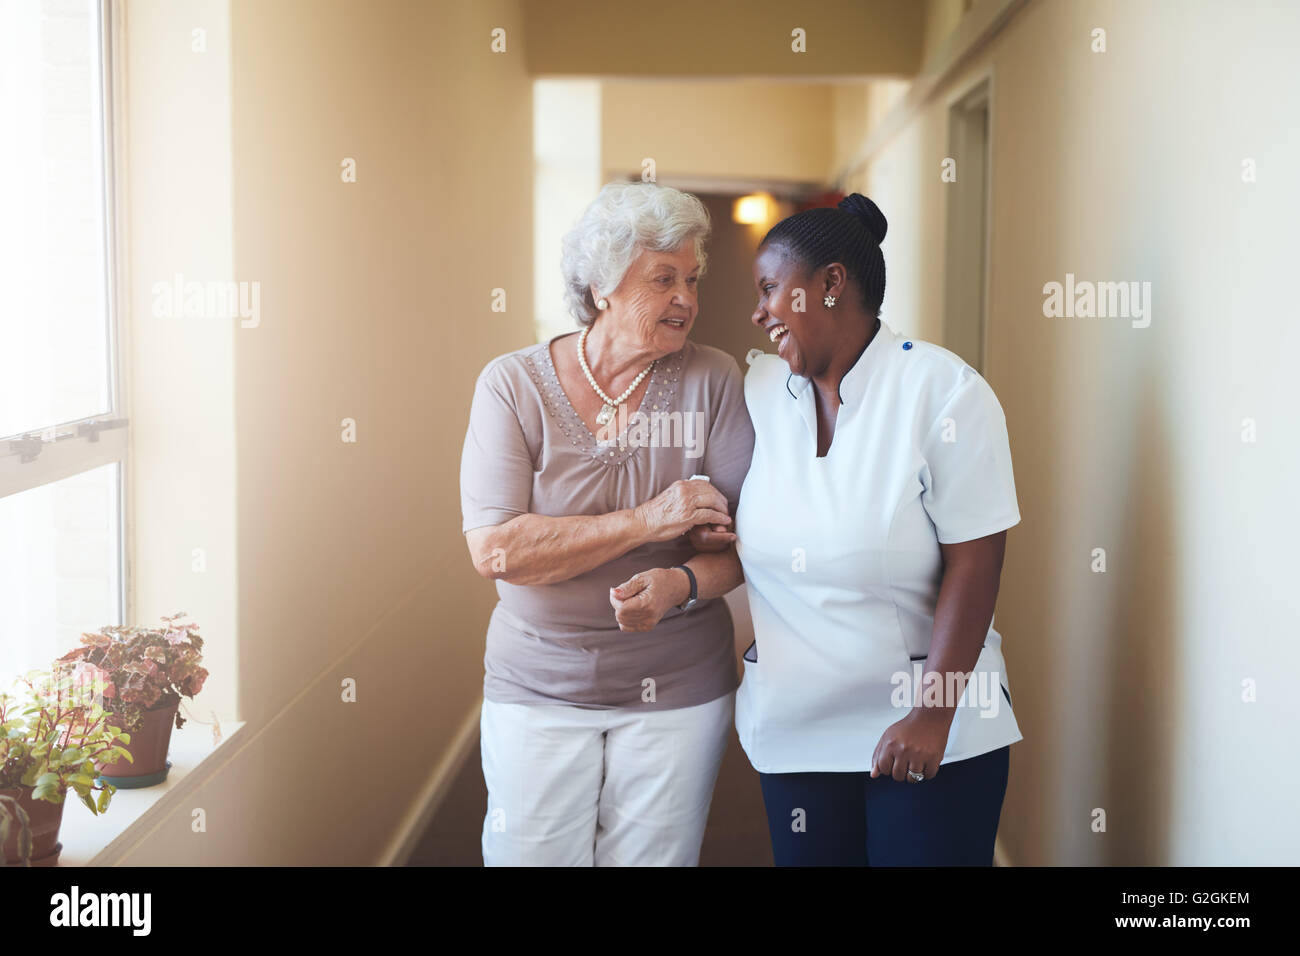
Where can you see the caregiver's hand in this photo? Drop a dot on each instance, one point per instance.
(916, 742)
(644, 598)
(711, 538)
(680, 507)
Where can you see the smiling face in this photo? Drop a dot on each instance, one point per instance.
(803, 338)
(655, 305)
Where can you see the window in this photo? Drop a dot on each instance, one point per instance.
(63, 440)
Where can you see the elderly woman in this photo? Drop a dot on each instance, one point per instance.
(871, 529)
(610, 676)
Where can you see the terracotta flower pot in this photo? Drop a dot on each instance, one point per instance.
(45, 819)
(49, 859)
(148, 749)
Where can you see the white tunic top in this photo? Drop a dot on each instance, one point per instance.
(841, 553)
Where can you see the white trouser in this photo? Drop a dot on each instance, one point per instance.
(575, 787)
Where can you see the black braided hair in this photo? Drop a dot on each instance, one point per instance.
(850, 233)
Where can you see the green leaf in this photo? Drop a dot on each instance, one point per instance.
(46, 792)
(90, 804)
(105, 795)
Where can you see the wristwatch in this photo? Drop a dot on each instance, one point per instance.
(694, 599)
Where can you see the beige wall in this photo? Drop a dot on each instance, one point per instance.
(941, 19)
(376, 307)
(856, 109)
(724, 38)
(1119, 166)
(749, 129)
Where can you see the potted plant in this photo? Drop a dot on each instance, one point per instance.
(149, 670)
(12, 814)
(50, 739)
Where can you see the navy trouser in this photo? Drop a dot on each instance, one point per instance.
(850, 819)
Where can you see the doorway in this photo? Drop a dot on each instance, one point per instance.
(965, 283)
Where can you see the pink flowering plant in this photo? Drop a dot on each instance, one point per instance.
(148, 667)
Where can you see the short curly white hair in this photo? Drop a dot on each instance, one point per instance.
(623, 220)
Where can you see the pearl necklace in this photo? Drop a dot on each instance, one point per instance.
(606, 414)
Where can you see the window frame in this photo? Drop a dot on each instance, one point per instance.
(36, 458)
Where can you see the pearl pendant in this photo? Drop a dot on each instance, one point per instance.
(605, 415)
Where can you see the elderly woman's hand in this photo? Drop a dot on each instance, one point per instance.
(682, 506)
(643, 599)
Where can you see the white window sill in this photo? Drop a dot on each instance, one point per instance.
(90, 840)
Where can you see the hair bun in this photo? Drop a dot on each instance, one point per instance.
(869, 213)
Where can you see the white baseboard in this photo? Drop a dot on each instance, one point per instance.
(434, 791)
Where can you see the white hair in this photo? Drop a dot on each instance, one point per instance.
(625, 219)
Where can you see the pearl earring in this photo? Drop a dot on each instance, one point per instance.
(602, 304)
(829, 300)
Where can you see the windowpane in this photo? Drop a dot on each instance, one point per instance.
(54, 341)
(59, 568)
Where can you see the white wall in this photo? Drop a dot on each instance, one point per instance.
(1127, 165)
(566, 178)
(175, 167)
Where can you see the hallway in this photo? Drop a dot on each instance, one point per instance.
(247, 330)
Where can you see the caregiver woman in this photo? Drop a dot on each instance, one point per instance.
(871, 531)
(608, 694)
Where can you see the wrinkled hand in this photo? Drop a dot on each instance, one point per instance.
(680, 507)
(916, 742)
(711, 538)
(643, 599)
